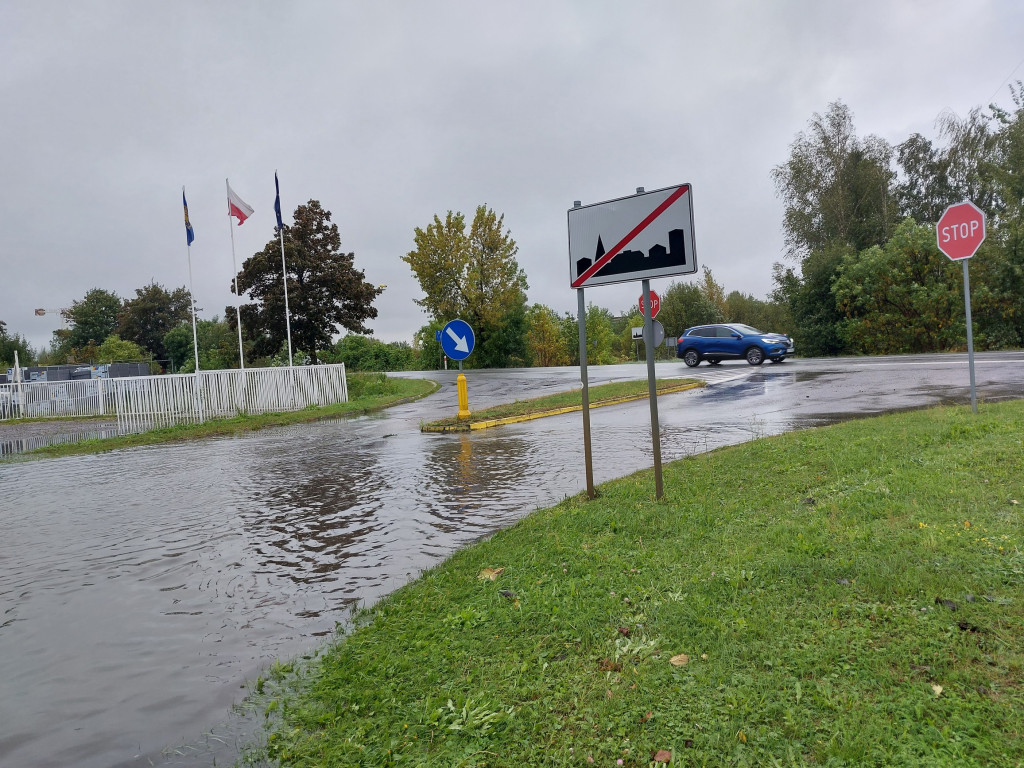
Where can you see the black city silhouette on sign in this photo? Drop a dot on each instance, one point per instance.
(627, 262)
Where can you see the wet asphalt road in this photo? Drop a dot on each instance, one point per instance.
(141, 589)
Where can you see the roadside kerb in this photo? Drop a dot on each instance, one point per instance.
(554, 412)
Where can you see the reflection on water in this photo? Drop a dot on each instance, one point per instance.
(24, 445)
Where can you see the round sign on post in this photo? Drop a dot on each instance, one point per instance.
(659, 334)
(655, 304)
(457, 339)
(961, 230)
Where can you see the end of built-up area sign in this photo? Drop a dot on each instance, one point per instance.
(640, 237)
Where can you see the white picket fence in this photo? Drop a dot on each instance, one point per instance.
(150, 402)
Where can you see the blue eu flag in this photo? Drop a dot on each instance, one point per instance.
(277, 202)
(189, 234)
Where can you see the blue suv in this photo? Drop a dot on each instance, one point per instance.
(715, 343)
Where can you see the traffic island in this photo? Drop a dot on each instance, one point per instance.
(554, 405)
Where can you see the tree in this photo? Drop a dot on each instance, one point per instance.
(502, 340)
(901, 297)
(114, 349)
(684, 305)
(153, 312)
(93, 318)
(712, 291)
(570, 331)
(600, 337)
(364, 353)
(178, 345)
(9, 345)
(818, 322)
(430, 352)
(218, 346)
(325, 290)
(474, 276)
(836, 187)
(626, 346)
(767, 316)
(547, 344)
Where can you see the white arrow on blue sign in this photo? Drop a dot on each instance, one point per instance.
(457, 339)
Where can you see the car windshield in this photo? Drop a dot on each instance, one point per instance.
(747, 330)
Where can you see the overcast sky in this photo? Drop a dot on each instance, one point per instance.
(391, 112)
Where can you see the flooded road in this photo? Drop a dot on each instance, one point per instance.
(140, 590)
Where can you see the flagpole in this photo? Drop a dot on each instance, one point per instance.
(192, 299)
(238, 298)
(189, 235)
(284, 276)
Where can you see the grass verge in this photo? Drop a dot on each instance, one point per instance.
(561, 402)
(367, 393)
(843, 596)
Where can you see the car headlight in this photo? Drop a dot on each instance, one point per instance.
(773, 341)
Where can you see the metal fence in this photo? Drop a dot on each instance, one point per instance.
(142, 403)
(45, 399)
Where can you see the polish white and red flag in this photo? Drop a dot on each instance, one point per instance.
(237, 207)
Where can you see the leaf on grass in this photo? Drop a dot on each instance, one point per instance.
(490, 573)
(938, 689)
(662, 756)
(741, 736)
(680, 660)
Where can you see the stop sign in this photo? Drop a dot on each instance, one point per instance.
(961, 230)
(655, 304)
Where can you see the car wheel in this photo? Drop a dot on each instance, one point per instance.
(714, 360)
(691, 358)
(755, 356)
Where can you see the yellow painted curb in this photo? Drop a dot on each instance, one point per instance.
(556, 412)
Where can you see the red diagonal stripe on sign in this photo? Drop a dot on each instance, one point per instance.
(609, 255)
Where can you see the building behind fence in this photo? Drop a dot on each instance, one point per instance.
(141, 403)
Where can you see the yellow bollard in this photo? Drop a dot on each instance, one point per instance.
(463, 398)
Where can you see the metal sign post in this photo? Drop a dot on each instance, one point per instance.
(970, 337)
(646, 235)
(652, 388)
(587, 456)
(960, 231)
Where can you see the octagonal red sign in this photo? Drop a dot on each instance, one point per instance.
(961, 230)
(655, 304)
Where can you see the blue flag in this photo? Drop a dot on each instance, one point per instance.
(189, 234)
(277, 202)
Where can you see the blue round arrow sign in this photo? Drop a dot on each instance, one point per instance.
(457, 339)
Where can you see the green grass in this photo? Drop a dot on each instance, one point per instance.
(601, 393)
(810, 578)
(367, 393)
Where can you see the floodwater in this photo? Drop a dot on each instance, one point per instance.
(51, 433)
(140, 590)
